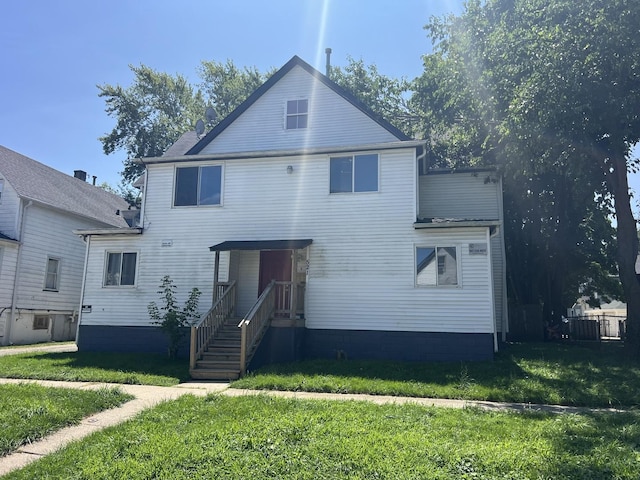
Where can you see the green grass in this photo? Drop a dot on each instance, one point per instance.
(144, 369)
(531, 373)
(263, 437)
(29, 412)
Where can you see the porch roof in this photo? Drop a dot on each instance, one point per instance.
(261, 245)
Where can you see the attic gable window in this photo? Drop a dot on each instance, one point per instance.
(297, 114)
(197, 186)
(358, 173)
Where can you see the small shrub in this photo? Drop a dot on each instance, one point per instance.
(170, 317)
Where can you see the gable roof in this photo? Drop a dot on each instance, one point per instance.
(35, 181)
(295, 61)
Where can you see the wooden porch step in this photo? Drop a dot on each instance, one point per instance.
(215, 374)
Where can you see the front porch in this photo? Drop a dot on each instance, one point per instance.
(225, 340)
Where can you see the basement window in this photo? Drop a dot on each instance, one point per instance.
(41, 322)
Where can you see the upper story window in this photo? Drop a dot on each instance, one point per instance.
(358, 173)
(297, 114)
(198, 185)
(52, 275)
(436, 266)
(1, 188)
(120, 268)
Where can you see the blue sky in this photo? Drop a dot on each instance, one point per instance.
(54, 53)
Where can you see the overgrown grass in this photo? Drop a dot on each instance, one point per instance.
(144, 369)
(558, 374)
(28, 412)
(264, 437)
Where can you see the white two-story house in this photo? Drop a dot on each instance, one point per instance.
(41, 260)
(314, 229)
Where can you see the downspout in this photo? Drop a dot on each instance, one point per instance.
(505, 301)
(14, 297)
(84, 281)
(419, 158)
(491, 291)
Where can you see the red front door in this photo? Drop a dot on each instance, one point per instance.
(274, 265)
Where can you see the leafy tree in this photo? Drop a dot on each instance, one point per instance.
(385, 96)
(150, 115)
(157, 108)
(550, 90)
(172, 319)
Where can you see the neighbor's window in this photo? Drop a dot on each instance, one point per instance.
(358, 173)
(40, 322)
(297, 114)
(52, 274)
(198, 185)
(436, 266)
(120, 268)
(1, 188)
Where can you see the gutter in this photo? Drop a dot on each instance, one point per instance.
(282, 153)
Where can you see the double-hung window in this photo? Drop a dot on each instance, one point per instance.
(437, 266)
(52, 275)
(120, 268)
(297, 114)
(198, 186)
(357, 173)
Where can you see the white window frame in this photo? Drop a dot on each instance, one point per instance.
(56, 286)
(105, 284)
(353, 173)
(296, 114)
(197, 204)
(436, 246)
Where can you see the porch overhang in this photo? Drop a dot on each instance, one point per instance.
(230, 245)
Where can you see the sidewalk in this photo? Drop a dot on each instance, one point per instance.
(48, 347)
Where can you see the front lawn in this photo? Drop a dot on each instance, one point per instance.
(263, 437)
(144, 369)
(29, 412)
(561, 374)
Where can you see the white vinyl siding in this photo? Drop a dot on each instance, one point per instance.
(361, 262)
(469, 195)
(48, 234)
(332, 120)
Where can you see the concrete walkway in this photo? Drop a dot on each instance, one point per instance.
(148, 396)
(45, 347)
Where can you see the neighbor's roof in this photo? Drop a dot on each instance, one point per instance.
(35, 181)
(186, 141)
(295, 61)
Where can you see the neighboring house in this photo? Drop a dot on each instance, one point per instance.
(41, 260)
(372, 254)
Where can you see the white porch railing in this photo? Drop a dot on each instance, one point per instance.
(204, 330)
(255, 324)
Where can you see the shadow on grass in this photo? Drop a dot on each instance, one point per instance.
(96, 366)
(563, 374)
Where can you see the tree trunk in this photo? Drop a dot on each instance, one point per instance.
(627, 240)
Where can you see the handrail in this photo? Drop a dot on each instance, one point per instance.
(254, 323)
(203, 330)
